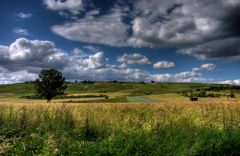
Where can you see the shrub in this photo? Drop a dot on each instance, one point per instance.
(231, 95)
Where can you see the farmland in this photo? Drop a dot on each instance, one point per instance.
(134, 119)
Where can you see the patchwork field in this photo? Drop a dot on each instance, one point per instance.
(134, 119)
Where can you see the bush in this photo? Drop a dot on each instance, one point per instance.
(88, 82)
(147, 93)
(201, 93)
(231, 95)
(31, 97)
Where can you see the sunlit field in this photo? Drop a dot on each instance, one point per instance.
(157, 128)
(155, 124)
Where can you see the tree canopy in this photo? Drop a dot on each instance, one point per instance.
(50, 83)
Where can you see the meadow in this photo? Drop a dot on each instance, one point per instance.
(150, 119)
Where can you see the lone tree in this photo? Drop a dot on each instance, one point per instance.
(50, 83)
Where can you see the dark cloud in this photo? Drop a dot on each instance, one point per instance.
(172, 8)
(183, 24)
(205, 29)
(226, 48)
(232, 21)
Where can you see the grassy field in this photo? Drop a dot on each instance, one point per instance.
(132, 121)
(139, 99)
(130, 88)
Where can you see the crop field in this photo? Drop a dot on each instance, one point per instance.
(139, 99)
(134, 119)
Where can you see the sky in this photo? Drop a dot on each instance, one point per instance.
(124, 40)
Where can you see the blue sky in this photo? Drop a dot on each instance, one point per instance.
(126, 40)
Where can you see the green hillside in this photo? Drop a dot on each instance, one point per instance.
(130, 88)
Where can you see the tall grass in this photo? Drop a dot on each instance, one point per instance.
(120, 129)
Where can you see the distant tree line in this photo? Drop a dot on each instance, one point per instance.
(203, 92)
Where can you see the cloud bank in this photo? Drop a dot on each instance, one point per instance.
(204, 29)
(23, 59)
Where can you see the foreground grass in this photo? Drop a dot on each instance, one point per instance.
(120, 129)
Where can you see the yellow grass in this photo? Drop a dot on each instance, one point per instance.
(171, 119)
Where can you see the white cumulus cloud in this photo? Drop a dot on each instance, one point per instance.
(23, 59)
(134, 58)
(163, 65)
(70, 5)
(209, 67)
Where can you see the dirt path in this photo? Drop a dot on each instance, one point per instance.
(5, 94)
